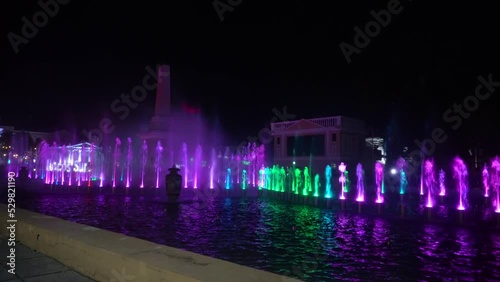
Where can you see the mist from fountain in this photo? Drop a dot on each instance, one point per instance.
(17, 158)
(198, 158)
(238, 164)
(442, 183)
(92, 162)
(461, 174)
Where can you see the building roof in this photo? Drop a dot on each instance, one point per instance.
(334, 122)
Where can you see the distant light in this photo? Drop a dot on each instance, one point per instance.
(293, 162)
(393, 171)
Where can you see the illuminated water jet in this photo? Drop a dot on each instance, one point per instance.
(360, 184)
(244, 180)
(144, 160)
(342, 168)
(228, 178)
(307, 182)
(486, 179)
(185, 163)
(317, 185)
(129, 162)
(379, 179)
(116, 159)
(212, 168)
(158, 162)
(429, 181)
(495, 181)
(442, 181)
(461, 176)
(401, 164)
(328, 182)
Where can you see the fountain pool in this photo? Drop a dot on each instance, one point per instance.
(310, 243)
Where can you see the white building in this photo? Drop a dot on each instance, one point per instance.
(320, 141)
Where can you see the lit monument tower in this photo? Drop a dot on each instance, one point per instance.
(159, 130)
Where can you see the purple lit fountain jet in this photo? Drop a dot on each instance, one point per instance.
(495, 181)
(461, 176)
(379, 178)
(429, 181)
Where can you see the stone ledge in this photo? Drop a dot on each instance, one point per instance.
(108, 256)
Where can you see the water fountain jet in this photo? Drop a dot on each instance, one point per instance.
(342, 168)
(379, 178)
(158, 162)
(429, 182)
(486, 179)
(116, 160)
(461, 176)
(328, 182)
(495, 182)
(129, 162)
(144, 160)
(442, 185)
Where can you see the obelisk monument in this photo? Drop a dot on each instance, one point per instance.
(159, 130)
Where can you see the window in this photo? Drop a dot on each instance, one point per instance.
(278, 140)
(334, 137)
(302, 146)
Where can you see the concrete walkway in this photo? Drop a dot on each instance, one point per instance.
(32, 266)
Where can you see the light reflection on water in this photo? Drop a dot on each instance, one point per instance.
(310, 243)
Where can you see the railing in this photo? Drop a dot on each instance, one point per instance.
(327, 122)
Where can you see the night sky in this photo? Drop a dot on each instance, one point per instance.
(263, 55)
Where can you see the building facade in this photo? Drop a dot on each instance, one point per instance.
(318, 142)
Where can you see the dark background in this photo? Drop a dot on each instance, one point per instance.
(264, 55)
